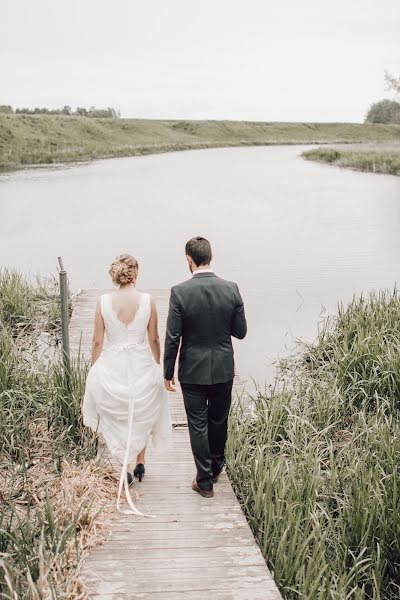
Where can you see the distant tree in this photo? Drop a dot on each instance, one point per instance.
(384, 111)
(100, 113)
(6, 109)
(393, 82)
(114, 113)
(93, 112)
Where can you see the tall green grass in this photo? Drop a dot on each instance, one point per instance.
(316, 463)
(40, 426)
(39, 139)
(378, 160)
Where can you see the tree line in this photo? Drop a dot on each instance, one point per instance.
(383, 111)
(386, 111)
(80, 111)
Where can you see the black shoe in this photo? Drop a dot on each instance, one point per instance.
(130, 478)
(139, 471)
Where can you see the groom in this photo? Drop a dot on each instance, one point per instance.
(204, 313)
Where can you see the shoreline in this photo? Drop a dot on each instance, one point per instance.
(15, 167)
(29, 141)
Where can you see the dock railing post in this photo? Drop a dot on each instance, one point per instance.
(64, 299)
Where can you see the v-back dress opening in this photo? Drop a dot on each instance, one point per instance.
(125, 398)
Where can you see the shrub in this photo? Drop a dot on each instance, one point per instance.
(384, 111)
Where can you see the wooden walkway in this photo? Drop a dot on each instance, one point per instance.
(194, 548)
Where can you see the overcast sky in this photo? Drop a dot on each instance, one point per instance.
(288, 60)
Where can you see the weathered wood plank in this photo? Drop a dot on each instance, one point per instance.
(129, 585)
(179, 525)
(173, 563)
(176, 572)
(229, 594)
(158, 557)
(192, 547)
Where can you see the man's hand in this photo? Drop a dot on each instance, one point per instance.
(169, 385)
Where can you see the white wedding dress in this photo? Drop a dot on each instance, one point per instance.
(125, 398)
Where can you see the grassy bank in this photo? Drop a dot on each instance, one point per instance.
(378, 159)
(317, 463)
(52, 486)
(28, 139)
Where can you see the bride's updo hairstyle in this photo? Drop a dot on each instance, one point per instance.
(124, 270)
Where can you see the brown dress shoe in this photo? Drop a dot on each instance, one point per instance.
(204, 493)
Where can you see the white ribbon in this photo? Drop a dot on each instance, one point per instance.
(123, 481)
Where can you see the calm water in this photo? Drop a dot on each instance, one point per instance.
(295, 235)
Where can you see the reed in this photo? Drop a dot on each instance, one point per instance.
(380, 159)
(52, 484)
(316, 461)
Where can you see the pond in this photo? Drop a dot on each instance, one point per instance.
(297, 236)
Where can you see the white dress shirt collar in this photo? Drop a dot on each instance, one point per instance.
(202, 271)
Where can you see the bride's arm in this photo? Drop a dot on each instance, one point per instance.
(152, 331)
(98, 334)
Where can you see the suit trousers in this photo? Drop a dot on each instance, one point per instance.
(207, 408)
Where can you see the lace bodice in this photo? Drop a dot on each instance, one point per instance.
(119, 334)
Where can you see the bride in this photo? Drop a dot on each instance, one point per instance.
(125, 398)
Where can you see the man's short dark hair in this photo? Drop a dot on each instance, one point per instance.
(199, 249)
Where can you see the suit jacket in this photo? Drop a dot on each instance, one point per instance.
(204, 313)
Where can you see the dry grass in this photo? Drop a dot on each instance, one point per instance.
(83, 494)
(91, 480)
(86, 489)
(56, 494)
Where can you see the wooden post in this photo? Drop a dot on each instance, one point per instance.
(64, 298)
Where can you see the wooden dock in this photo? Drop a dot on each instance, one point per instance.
(194, 547)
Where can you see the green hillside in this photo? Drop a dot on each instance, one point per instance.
(29, 139)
